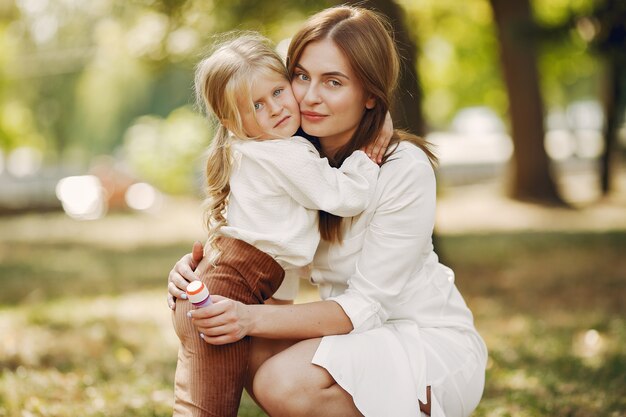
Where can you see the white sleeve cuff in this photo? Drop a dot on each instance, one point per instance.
(358, 161)
(364, 314)
(290, 286)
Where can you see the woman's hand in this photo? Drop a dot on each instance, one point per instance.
(377, 149)
(224, 321)
(182, 274)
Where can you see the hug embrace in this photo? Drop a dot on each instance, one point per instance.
(307, 179)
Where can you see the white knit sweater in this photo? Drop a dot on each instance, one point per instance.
(277, 187)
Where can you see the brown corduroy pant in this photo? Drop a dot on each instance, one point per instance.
(209, 379)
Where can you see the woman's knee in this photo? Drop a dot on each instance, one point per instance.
(261, 350)
(287, 384)
(272, 385)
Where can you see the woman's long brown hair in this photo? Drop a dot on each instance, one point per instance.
(365, 38)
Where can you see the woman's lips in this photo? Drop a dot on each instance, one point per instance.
(312, 116)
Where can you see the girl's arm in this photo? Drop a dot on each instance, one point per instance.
(227, 321)
(377, 149)
(296, 169)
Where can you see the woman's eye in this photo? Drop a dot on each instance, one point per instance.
(277, 92)
(302, 77)
(334, 83)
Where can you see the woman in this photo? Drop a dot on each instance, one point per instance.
(392, 327)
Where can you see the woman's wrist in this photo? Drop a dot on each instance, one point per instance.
(249, 317)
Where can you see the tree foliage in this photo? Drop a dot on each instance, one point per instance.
(76, 75)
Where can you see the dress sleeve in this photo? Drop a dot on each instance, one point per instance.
(397, 242)
(314, 184)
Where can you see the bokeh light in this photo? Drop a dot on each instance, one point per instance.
(142, 196)
(590, 345)
(82, 197)
(24, 161)
(477, 136)
(559, 144)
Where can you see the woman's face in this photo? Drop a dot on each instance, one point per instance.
(332, 100)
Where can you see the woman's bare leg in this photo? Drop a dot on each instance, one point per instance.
(288, 384)
(261, 350)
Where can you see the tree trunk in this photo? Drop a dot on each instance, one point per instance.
(611, 107)
(407, 106)
(532, 179)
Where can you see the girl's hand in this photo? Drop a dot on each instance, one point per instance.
(376, 150)
(182, 274)
(224, 321)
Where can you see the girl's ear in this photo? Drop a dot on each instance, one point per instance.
(370, 103)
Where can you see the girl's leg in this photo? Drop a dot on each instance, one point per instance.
(210, 379)
(288, 384)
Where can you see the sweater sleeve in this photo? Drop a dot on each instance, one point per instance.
(398, 236)
(295, 165)
(290, 286)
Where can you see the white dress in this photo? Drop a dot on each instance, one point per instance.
(412, 328)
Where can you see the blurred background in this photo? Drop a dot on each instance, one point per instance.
(101, 159)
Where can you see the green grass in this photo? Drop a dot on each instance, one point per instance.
(86, 331)
(551, 308)
(47, 270)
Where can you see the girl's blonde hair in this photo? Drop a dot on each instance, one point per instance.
(222, 81)
(365, 38)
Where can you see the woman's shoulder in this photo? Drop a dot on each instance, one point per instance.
(407, 156)
(408, 171)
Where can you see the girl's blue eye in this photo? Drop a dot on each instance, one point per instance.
(258, 106)
(277, 92)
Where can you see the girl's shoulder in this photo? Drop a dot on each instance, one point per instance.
(286, 151)
(291, 142)
(302, 141)
(270, 144)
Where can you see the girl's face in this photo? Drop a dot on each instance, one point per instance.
(332, 100)
(276, 113)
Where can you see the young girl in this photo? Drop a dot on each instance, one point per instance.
(264, 190)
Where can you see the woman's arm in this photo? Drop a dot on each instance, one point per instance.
(397, 241)
(227, 321)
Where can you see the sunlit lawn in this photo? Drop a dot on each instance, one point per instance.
(86, 331)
